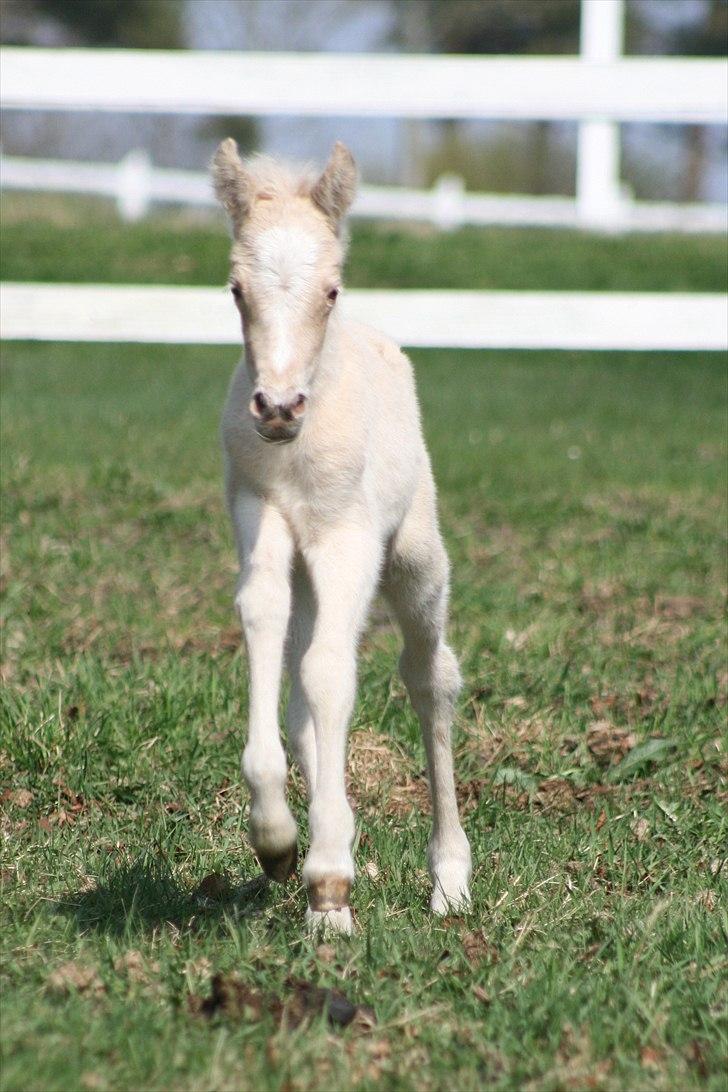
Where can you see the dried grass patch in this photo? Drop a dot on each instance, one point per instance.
(487, 745)
(487, 544)
(576, 1066)
(73, 977)
(381, 778)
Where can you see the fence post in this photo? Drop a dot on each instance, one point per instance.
(447, 202)
(134, 185)
(598, 191)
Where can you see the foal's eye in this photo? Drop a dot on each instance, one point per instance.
(237, 292)
(332, 294)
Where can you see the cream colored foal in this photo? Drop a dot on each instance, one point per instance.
(331, 495)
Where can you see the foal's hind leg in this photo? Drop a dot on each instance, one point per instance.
(416, 584)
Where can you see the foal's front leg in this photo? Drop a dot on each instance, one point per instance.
(263, 600)
(343, 567)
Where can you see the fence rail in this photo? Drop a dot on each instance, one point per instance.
(598, 89)
(464, 320)
(657, 89)
(135, 184)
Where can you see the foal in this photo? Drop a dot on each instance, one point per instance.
(331, 495)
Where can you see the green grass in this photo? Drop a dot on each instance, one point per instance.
(172, 249)
(582, 499)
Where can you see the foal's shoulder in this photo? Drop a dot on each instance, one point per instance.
(373, 341)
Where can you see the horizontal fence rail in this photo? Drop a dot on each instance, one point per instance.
(657, 89)
(465, 320)
(135, 184)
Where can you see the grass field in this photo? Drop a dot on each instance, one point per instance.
(583, 501)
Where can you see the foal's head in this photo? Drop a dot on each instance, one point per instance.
(285, 273)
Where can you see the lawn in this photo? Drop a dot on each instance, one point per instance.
(583, 502)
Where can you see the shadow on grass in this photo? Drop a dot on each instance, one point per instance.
(145, 895)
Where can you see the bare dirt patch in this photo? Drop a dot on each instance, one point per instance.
(609, 744)
(19, 798)
(235, 999)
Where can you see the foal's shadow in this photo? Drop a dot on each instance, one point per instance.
(146, 895)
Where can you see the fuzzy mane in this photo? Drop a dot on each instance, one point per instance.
(275, 178)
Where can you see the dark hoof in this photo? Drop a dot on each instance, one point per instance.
(281, 867)
(329, 893)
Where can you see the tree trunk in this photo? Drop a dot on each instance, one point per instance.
(540, 157)
(695, 156)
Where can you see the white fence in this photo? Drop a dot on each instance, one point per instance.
(658, 89)
(135, 184)
(466, 320)
(598, 89)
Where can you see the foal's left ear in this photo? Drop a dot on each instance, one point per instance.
(336, 188)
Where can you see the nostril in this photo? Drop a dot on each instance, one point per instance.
(298, 406)
(259, 404)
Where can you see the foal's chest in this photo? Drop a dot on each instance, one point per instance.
(313, 497)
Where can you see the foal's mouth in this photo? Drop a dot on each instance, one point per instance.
(283, 435)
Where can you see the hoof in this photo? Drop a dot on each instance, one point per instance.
(329, 893)
(451, 880)
(456, 903)
(450, 887)
(328, 906)
(281, 867)
(330, 921)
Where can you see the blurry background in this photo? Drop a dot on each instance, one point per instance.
(678, 163)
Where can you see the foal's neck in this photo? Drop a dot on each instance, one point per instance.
(331, 360)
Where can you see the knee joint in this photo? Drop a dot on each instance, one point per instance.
(448, 672)
(261, 602)
(264, 767)
(325, 667)
(436, 674)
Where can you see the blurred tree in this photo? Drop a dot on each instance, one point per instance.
(244, 130)
(501, 26)
(696, 30)
(706, 38)
(494, 27)
(141, 24)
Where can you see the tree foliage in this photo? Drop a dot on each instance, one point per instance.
(708, 38)
(498, 26)
(141, 24)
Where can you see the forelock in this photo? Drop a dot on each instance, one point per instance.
(270, 178)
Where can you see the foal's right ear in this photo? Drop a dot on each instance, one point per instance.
(231, 182)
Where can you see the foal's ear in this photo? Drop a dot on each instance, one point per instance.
(231, 182)
(336, 188)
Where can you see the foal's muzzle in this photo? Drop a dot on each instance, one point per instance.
(277, 417)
